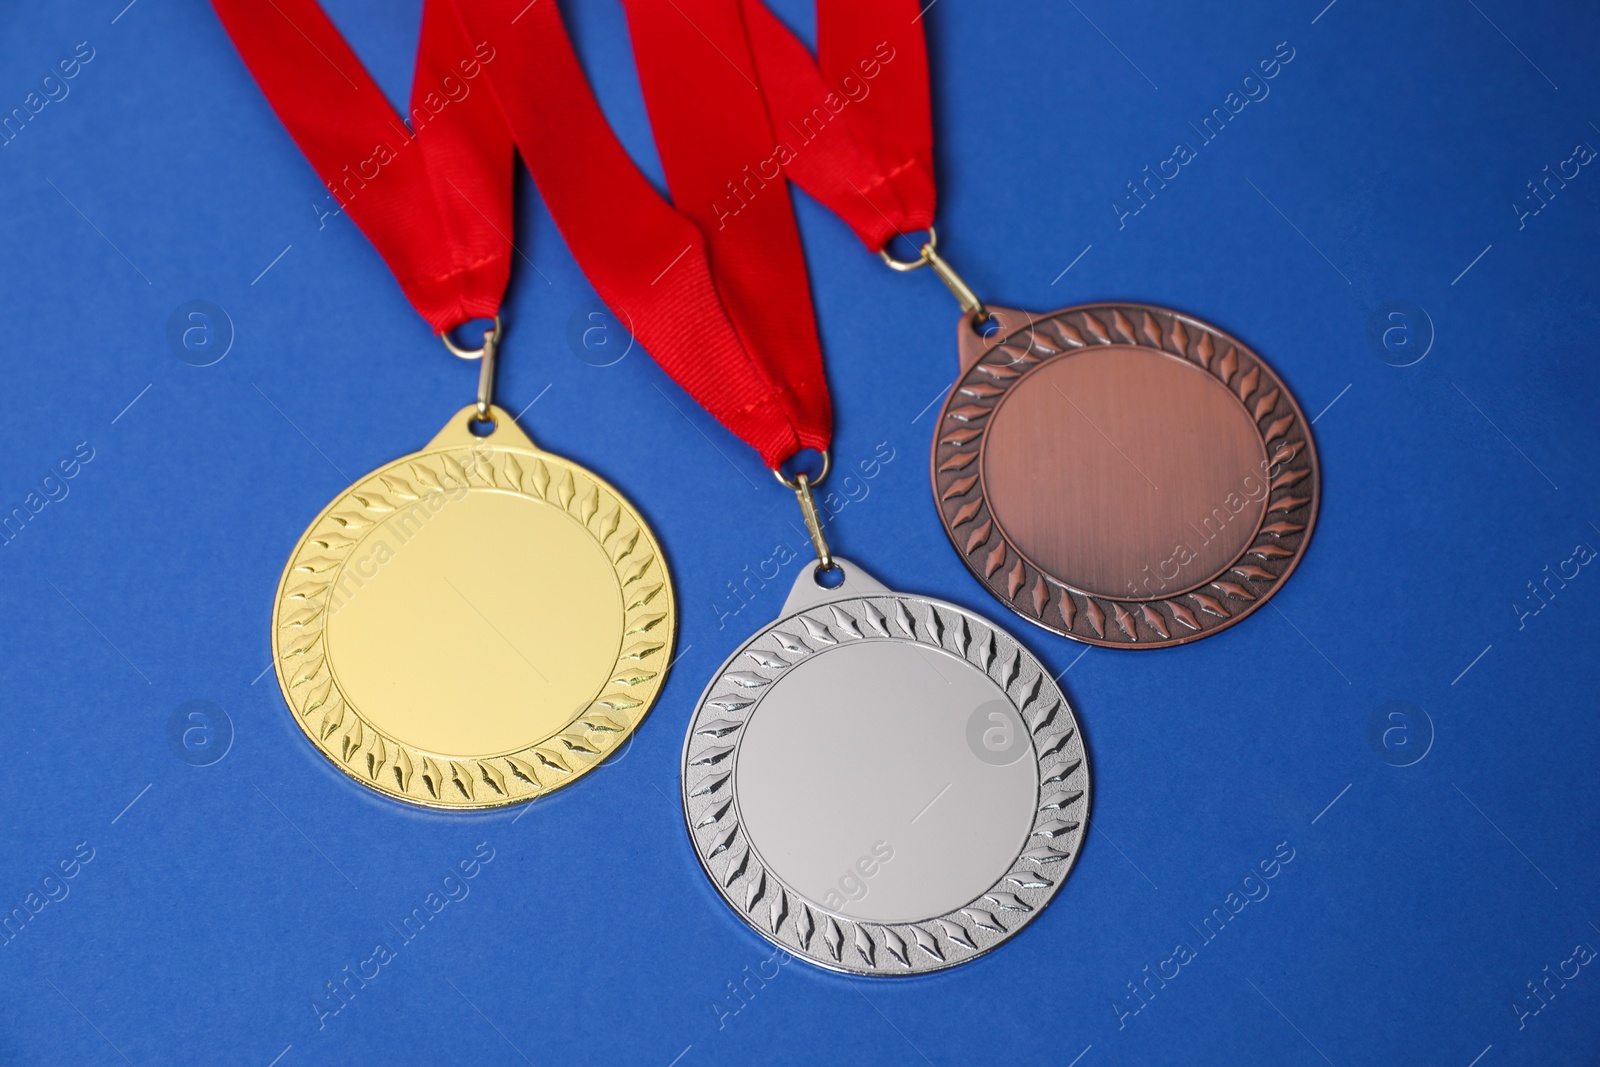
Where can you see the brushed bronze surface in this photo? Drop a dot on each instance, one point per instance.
(1123, 475)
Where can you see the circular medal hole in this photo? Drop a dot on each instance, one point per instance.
(988, 326)
(830, 577)
(481, 427)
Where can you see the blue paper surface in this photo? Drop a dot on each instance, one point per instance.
(1442, 885)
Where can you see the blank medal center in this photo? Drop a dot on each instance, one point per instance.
(858, 787)
(475, 626)
(1125, 472)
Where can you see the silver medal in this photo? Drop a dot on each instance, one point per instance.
(884, 784)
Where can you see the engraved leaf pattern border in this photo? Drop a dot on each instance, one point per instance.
(825, 936)
(1232, 593)
(410, 773)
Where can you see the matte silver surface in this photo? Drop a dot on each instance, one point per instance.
(884, 784)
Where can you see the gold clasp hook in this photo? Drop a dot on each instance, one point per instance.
(970, 304)
(486, 368)
(802, 486)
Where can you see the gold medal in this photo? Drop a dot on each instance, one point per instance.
(479, 622)
(474, 624)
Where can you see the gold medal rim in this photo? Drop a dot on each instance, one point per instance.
(442, 781)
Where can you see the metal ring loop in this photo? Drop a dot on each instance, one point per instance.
(929, 245)
(490, 339)
(827, 464)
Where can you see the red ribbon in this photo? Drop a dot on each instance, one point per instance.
(725, 310)
(857, 118)
(715, 288)
(436, 201)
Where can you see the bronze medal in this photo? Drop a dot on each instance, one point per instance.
(1123, 475)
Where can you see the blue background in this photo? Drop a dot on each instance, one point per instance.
(1420, 900)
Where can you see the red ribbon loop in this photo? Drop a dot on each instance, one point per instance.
(721, 299)
(435, 200)
(715, 288)
(857, 118)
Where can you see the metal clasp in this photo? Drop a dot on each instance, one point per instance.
(970, 304)
(486, 368)
(802, 486)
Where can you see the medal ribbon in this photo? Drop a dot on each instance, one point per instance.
(855, 120)
(723, 307)
(435, 199)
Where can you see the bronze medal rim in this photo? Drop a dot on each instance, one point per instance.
(418, 776)
(992, 367)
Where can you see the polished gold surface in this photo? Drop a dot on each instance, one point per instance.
(474, 624)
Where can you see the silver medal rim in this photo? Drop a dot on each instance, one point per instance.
(804, 927)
